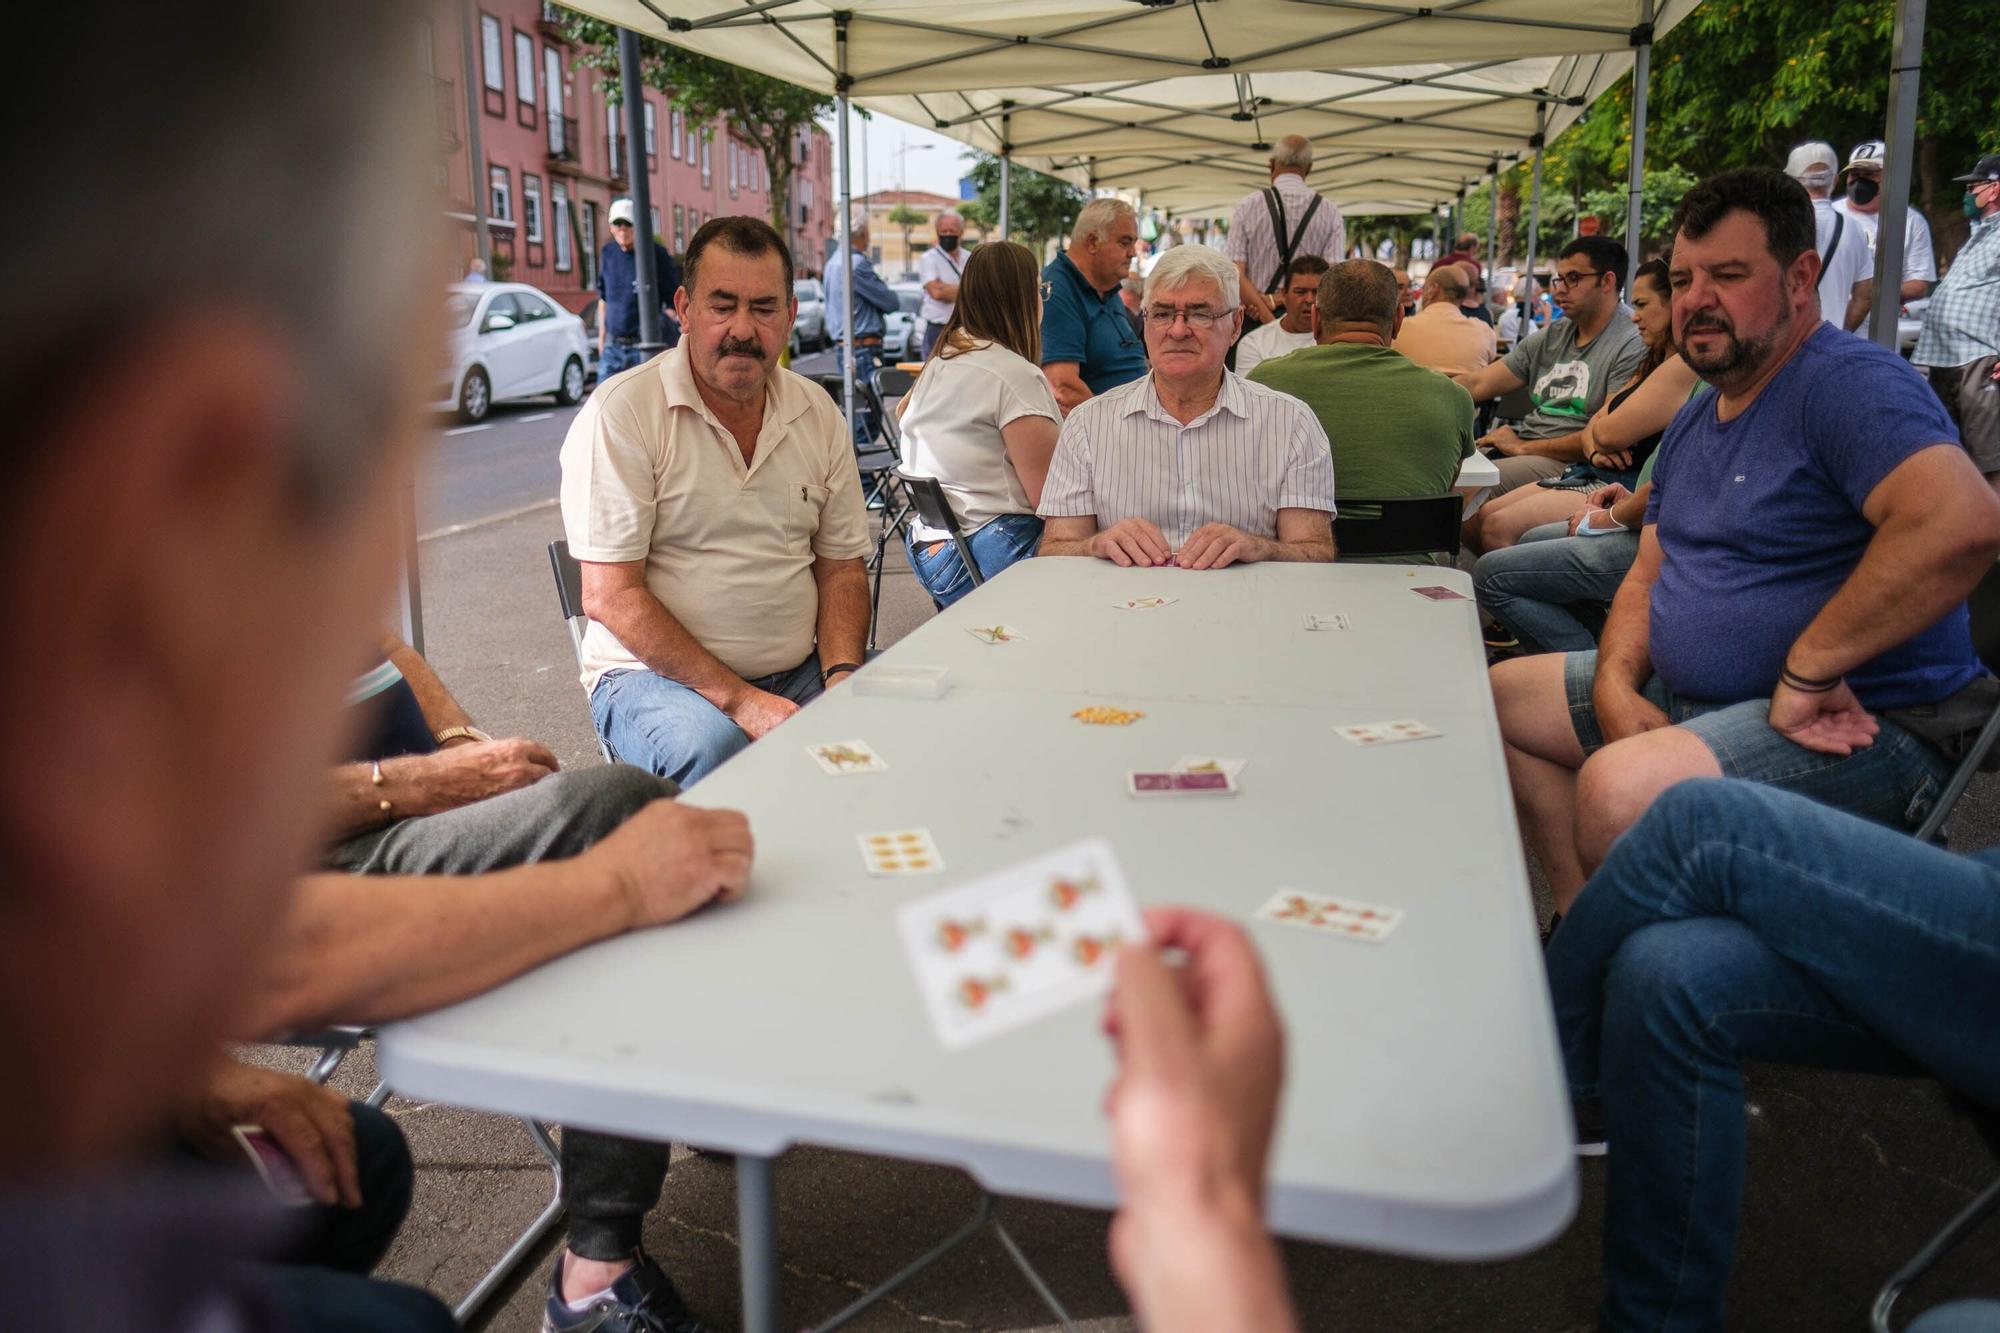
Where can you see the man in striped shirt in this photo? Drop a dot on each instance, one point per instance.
(1191, 465)
(1312, 225)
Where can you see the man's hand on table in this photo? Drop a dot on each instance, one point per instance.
(1132, 541)
(1217, 546)
(669, 859)
(460, 775)
(1201, 1059)
(311, 1123)
(758, 711)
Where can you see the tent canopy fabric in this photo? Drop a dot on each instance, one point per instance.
(1180, 100)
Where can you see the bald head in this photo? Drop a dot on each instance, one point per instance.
(1447, 284)
(1294, 152)
(1359, 296)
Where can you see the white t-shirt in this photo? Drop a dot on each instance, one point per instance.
(934, 265)
(951, 431)
(1919, 262)
(1853, 262)
(1265, 342)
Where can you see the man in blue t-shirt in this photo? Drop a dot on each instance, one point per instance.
(618, 295)
(1088, 344)
(1796, 614)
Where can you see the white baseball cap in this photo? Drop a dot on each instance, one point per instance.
(621, 210)
(1813, 164)
(1871, 153)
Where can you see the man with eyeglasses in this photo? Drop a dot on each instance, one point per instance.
(1192, 465)
(618, 295)
(1959, 348)
(1569, 366)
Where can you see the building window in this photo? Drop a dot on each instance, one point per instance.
(680, 229)
(559, 206)
(731, 146)
(679, 128)
(589, 229)
(707, 174)
(531, 207)
(501, 206)
(652, 136)
(524, 68)
(494, 70)
(654, 218)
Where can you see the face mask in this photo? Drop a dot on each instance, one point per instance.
(947, 243)
(1863, 190)
(1972, 209)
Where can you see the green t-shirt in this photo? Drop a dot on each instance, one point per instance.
(1397, 429)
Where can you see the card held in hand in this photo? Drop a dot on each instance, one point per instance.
(1019, 944)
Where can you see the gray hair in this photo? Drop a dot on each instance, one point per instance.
(939, 220)
(283, 179)
(1097, 217)
(1294, 151)
(1195, 263)
(857, 219)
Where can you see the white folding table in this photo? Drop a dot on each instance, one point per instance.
(1424, 1110)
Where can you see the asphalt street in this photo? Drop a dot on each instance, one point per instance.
(500, 466)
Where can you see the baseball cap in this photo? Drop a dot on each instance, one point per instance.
(1813, 164)
(621, 210)
(1987, 170)
(1871, 153)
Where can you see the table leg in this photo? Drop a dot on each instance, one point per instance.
(757, 1219)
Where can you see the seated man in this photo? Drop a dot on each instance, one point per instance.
(1569, 365)
(1295, 330)
(1536, 588)
(1440, 336)
(1739, 923)
(1796, 612)
(716, 509)
(1397, 429)
(1259, 479)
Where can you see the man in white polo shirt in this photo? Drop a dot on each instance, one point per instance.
(1190, 465)
(938, 269)
(716, 509)
(1846, 252)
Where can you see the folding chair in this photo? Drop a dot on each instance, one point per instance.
(569, 596)
(1956, 1230)
(1406, 526)
(1984, 605)
(895, 382)
(933, 506)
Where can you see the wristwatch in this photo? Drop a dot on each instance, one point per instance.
(455, 733)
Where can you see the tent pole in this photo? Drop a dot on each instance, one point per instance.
(1642, 76)
(1534, 212)
(642, 194)
(845, 222)
(1006, 170)
(1493, 226)
(1905, 71)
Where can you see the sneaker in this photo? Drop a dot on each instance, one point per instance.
(1589, 1117)
(641, 1301)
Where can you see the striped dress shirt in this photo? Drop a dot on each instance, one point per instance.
(1252, 241)
(1256, 451)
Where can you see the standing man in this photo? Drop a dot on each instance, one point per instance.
(1295, 330)
(1961, 334)
(1846, 262)
(1087, 343)
(618, 295)
(1863, 206)
(1465, 250)
(873, 302)
(938, 269)
(715, 506)
(1273, 226)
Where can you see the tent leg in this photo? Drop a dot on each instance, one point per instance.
(1642, 77)
(1905, 72)
(844, 221)
(646, 269)
(1006, 172)
(1534, 216)
(1493, 227)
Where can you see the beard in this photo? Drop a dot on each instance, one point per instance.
(1737, 357)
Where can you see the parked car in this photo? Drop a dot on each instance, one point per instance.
(809, 330)
(1909, 323)
(903, 339)
(509, 340)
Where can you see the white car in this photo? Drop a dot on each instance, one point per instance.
(508, 340)
(903, 336)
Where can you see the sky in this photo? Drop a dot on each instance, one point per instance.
(927, 160)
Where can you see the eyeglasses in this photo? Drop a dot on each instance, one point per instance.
(1047, 289)
(1197, 317)
(1575, 279)
(621, 222)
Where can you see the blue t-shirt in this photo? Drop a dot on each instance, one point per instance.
(1760, 523)
(1081, 324)
(618, 287)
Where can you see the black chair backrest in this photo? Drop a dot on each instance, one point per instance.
(569, 579)
(1410, 526)
(1513, 405)
(1984, 604)
(930, 502)
(895, 383)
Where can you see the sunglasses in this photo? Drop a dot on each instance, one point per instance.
(621, 222)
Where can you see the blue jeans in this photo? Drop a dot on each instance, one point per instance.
(997, 544)
(615, 358)
(1893, 781)
(1531, 587)
(867, 360)
(666, 728)
(1735, 922)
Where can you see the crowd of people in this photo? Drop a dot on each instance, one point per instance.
(312, 830)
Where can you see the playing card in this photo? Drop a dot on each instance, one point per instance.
(1441, 594)
(274, 1166)
(994, 633)
(1387, 733)
(1345, 917)
(1214, 782)
(1021, 943)
(843, 757)
(907, 851)
(882, 681)
(1202, 763)
(1329, 620)
(1144, 603)
(1099, 715)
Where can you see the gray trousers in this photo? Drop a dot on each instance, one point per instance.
(609, 1183)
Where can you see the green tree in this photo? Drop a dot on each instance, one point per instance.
(905, 217)
(768, 112)
(1040, 208)
(977, 216)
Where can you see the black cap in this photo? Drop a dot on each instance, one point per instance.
(1987, 170)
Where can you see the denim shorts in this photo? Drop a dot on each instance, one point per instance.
(1894, 781)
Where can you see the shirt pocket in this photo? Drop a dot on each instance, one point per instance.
(805, 505)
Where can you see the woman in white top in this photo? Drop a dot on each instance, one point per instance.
(982, 420)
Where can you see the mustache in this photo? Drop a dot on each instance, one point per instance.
(1707, 321)
(740, 347)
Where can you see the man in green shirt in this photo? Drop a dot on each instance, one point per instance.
(1397, 429)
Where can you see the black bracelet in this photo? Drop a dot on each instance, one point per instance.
(837, 667)
(1793, 680)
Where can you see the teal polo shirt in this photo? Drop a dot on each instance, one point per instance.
(1080, 325)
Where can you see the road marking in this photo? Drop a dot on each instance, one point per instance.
(466, 430)
(490, 519)
(539, 416)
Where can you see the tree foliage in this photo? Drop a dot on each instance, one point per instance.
(904, 217)
(1040, 208)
